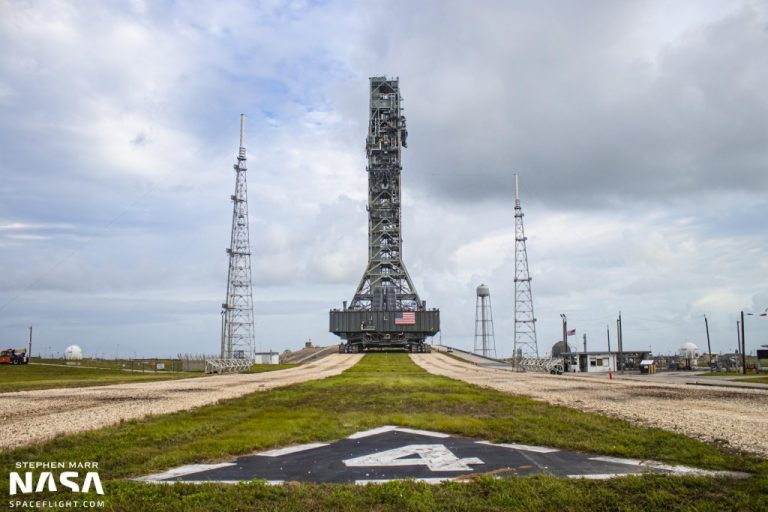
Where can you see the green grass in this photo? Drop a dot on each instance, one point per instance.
(758, 380)
(762, 377)
(33, 376)
(261, 368)
(485, 494)
(729, 374)
(390, 389)
(118, 364)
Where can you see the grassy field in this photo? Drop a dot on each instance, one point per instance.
(761, 378)
(390, 389)
(731, 374)
(758, 380)
(145, 365)
(34, 376)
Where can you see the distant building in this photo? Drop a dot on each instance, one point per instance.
(266, 358)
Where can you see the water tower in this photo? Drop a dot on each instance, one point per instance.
(485, 342)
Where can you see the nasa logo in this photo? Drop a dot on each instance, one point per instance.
(47, 481)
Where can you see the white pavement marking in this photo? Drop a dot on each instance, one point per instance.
(422, 432)
(602, 476)
(678, 470)
(435, 456)
(372, 432)
(433, 481)
(394, 428)
(291, 449)
(182, 471)
(524, 447)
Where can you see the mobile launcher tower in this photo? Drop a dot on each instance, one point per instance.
(386, 311)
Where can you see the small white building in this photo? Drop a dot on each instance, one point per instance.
(590, 362)
(266, 358)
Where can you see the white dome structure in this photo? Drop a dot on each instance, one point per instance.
(73, 353)
(689, 350)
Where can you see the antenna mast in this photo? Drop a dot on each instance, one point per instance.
(237, 331)
(525, 344)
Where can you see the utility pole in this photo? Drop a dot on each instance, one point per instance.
(608, 334)
(29, 352)
(565, 331)
(738, 336)
(223, 313)
(585, 343)
(620, 342)
(709, 345)
(743, 346)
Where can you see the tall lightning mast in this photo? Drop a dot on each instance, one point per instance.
(525, 344)
(237, 340)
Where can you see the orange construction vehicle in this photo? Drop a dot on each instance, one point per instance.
(14, 356)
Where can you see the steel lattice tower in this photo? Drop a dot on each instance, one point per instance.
(485, 341)
(237, 336)
(386, 310)
(386, 285)
(525, 344)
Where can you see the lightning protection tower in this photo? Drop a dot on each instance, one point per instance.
(386, 310)
(525, 344)
(485, 341)
(237, 333)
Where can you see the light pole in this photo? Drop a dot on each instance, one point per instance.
(620, 344)
(709, 346)
(743, 345)
(565, 336)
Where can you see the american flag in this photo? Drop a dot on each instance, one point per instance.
(572, 332)
(405, 318)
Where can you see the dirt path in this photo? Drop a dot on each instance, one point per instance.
(29, 417)
(736, 417)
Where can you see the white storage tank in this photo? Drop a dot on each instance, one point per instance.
(689, 350)
(73, 353)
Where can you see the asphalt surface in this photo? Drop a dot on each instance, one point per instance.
(393, 453)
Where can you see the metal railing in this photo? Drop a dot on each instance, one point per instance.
(228, 365)
(541, 365)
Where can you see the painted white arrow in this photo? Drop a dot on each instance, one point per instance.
(435, 456)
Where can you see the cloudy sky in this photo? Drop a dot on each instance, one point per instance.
(639, 130)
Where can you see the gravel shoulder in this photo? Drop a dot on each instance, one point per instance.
(737, 418)
(29, 417)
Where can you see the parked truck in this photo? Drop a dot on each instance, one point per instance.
(14, 356)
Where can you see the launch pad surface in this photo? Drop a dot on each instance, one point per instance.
(394, 453)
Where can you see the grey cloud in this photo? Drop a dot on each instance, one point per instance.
(575, 104)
